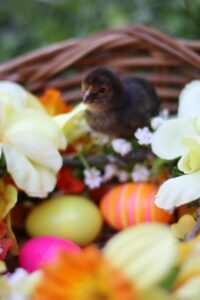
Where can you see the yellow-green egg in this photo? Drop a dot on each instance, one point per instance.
(70, 217)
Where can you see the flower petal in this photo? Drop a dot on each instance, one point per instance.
(166, 141)
(190, 161)
(63, 119)
(189, 100)
(38, 149)
(40, 123)
(73, 124)
(16, 95)
(48, 178)
(177, 191)
(35, 180)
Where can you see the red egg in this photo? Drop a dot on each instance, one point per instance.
(132, 203)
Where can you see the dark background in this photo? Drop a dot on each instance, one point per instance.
(29, 24)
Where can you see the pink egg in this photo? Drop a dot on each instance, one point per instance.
(40, 250)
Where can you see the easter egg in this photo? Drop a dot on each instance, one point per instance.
(40, 250)
(132, 203)
(71, 217)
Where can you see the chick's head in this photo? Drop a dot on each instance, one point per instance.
(99, 88)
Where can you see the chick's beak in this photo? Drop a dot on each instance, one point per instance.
(87, 97)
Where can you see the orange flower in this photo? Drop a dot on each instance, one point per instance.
(53, 102)
(83, 276)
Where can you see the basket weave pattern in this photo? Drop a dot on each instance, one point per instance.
(138, 50)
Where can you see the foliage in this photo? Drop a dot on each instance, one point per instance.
(31, 24)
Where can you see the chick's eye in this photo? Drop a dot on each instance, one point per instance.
(102, 90)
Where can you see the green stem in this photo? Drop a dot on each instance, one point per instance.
(83, 160)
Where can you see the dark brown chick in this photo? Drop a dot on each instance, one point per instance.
(118, 106)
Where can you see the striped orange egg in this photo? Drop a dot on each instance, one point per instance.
(132, 203)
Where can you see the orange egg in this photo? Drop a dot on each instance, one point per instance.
(132, 203)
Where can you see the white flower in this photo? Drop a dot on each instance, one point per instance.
(93, 177)
(121, 146)
(30, 140)
(176, 138)
(110, 171)
(73, 123)
(17, 97)
(140, 173)
(122, 175)
(144, 136)
(189, 103)
(158, 121)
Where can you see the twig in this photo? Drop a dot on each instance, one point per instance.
(99, 160)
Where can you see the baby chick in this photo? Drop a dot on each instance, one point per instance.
(118, 106)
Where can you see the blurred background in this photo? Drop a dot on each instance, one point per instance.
(26, 25)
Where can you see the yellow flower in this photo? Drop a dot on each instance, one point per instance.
(180, 137)
(17, 97)
(73, 124)
(30, 141)
(83, 276)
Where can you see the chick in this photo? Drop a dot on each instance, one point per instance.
(118, 106)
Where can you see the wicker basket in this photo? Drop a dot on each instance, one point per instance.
(166, 62)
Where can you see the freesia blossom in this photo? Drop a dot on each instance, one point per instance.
(73, 123)
(17, 98)
(30, 141)
(180, 137)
